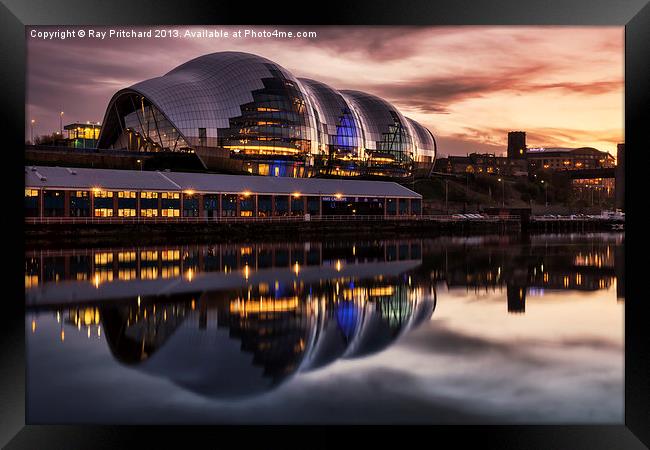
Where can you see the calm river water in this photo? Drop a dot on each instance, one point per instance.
(488, 329)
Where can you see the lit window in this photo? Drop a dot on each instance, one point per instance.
(126, 212)
(103, 212)
(149, 212)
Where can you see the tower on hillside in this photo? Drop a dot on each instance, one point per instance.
(517, 144)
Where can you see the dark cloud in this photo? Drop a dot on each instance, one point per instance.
(376, 43)
(440, 339)
(464, 144)
(438, 94)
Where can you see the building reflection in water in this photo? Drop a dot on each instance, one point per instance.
(246, 342)
(293, 307)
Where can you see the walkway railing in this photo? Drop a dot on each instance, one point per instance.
(576, 219)
(273, 219)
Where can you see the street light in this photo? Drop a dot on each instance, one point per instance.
(545, 193)
(32, 128)
(446, 196)
(139, 161)
(61, 123)
(503, 197)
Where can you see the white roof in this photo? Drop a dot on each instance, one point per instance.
(110, 179)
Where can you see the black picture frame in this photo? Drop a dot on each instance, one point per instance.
(633, 14)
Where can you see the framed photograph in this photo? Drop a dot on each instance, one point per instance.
(376, 215)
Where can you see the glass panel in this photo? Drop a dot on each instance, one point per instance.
(297, 206)
(281, 205)
(264, 205)
(246, 205)
(229, 205)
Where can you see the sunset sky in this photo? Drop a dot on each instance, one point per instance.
(468, 85)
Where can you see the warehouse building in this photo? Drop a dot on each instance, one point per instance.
(97, 193)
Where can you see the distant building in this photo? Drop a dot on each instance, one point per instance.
(590, 189)
(516, 299)
(517, 144)
(82, 135)
(482, 163)
(557, 158)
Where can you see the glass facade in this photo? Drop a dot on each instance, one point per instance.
(388, 141)
(424, 144)
(244, 113)
(339, 130)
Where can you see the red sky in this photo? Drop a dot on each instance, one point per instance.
(468, 85)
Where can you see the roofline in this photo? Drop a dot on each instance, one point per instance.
(202, 191)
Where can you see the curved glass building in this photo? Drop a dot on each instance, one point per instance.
(239, 112)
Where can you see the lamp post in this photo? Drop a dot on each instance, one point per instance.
(32, 131)
(140, 163)
(446, 196)
(61, 123)
(503, 190)
(545, 193)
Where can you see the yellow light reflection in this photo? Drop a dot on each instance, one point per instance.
(384, 291)
(245, 307)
